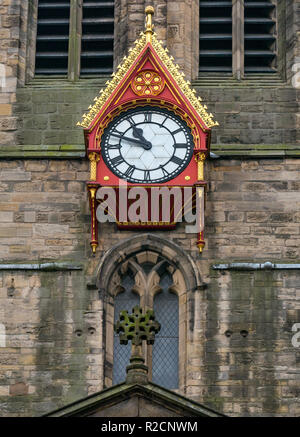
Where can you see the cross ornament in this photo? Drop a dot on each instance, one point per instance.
(137, 326)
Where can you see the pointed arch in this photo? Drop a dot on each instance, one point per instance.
(147, 258)
(157, 246)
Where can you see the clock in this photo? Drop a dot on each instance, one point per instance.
(147, 145)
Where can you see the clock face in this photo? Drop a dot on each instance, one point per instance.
(147, 145)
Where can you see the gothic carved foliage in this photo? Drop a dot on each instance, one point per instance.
(147, 269)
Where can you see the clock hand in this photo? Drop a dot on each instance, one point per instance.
(138, 133)
(144, 144)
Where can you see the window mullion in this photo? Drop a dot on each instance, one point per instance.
(75, 40)
(238, 39)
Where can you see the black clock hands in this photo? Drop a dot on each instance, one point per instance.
(138, 133)
(145, 144)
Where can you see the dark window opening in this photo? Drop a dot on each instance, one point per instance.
(249, 26)
(215, 37)
(97, 41)
(90, 27)
(52, 37)
(260, 37)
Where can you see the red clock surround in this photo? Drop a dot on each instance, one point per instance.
(147, 81)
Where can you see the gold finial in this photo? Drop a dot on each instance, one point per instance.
(149, 11)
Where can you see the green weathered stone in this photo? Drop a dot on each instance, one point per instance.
(137, 326)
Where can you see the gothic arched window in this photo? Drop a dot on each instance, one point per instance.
(149, 280)
(156, 274)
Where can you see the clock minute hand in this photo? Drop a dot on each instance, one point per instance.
(145, 144)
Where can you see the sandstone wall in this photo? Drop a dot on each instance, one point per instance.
(240, 357)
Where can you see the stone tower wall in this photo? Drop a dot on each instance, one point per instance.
(241, 360)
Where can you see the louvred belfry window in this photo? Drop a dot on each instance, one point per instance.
(52, 39)
(97, 40)
(74, 38)
(238, 37)
(216, 36)
(260, 36)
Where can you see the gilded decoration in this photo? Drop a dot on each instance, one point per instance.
(147, 83)
(200, 158)
(147, 76)
(111, 85)
(94, 158)
(125, 66)
(145, 102)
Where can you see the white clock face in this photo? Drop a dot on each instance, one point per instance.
(147, 145)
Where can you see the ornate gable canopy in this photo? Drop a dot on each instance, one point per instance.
(148, 75)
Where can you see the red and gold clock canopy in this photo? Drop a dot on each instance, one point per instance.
(148, 76)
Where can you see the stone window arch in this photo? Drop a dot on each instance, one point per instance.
(158, 268)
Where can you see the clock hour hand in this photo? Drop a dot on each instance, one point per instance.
(138, 133)
(146, 144)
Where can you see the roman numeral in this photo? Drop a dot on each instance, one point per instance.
(180, 145)
(131, 121)
(117, 160)
(147, 175)
(176, 160)
(129, 171)
(148, 118)
(176, 131)
(165, 173)
(114, 146)
(161, 125)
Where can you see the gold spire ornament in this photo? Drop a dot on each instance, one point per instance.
(149, 11)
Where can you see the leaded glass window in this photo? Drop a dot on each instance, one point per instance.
(125, 300)
(149, 280)
(165, 349)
